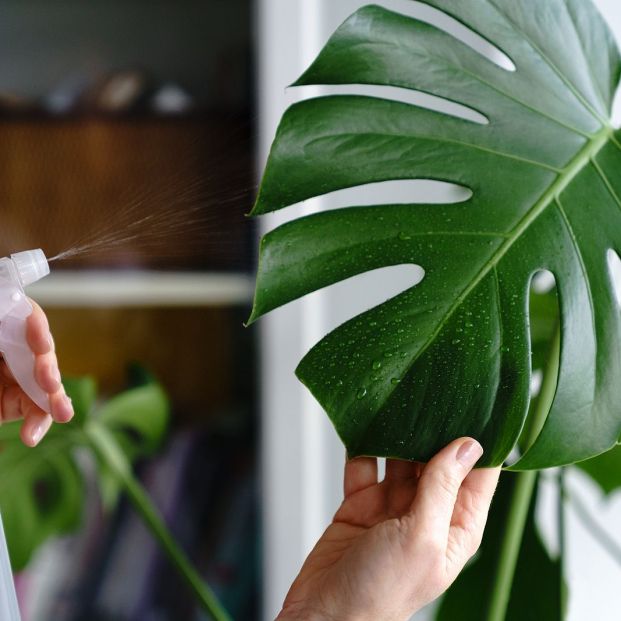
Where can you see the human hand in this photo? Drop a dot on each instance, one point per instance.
(395, 546)
(15, 404)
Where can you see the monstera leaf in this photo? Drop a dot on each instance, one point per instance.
(42, 490)
(451, 355)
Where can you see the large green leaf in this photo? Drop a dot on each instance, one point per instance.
(42, 490)
(451, 355)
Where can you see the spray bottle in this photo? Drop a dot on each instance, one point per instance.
(16, 272)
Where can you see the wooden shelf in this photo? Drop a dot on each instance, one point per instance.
(90, 288)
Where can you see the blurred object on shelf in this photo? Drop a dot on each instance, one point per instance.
(64, 98)
(12, 104)
(204, 47)
(121, 92)
(172, 99)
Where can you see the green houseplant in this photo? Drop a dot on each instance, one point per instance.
(45, 493)
(451, 356)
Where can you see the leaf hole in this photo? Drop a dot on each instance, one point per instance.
(46, 493)
(542, 282)
(616, 109)
(353, 296)
(544, 314)
(443, 21)
(393, 192)
(614, 269)
(394, 93)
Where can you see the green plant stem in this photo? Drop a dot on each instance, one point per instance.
(107, 448)
(562, 538)
(512, 540)
(522, 493)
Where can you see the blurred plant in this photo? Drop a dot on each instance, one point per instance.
(42, 490)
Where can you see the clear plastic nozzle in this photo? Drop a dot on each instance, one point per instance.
(31, 265)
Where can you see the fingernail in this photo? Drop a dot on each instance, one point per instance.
(64, 411)
(37, 433)
(57, 375)
(469, 453)
(68, 403)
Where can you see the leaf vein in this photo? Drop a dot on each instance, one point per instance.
(542, 204)
(606, 181)
(493, 87)
(442, 139)
(570, 86)
(587, 61)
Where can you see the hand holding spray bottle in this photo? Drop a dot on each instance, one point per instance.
(16, 272)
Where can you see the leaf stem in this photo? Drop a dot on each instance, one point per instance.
(562, 538)
(522, 493)
(107, 448)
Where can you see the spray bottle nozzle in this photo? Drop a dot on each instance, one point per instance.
(31, 266)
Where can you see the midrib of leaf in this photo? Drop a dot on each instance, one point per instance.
(564, 179)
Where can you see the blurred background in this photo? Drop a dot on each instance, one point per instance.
(128, 134)
(132, 136)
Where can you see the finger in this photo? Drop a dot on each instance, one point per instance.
(439, 485)
(38, 331)
(36, 423)
(360, 473)
(399, 470)
(6, 377)
(471, 510)
(14, 404)
(47, 373)
(10, 403)
(61, 406)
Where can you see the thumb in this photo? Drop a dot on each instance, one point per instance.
(439, 485)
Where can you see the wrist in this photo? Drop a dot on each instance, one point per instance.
(304, 613)
(294, 613)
